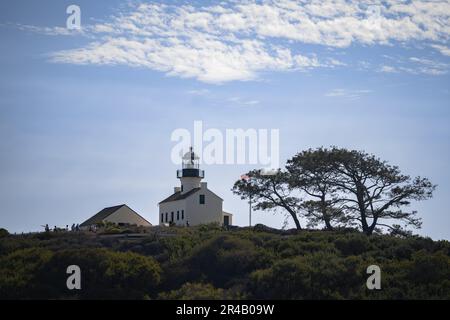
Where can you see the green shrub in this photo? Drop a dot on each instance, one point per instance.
(354, 244)
(225, 257)
(3, 233)
(196, 291)
(316, 276)
(105, 273)
(19, 271)
(208, 262)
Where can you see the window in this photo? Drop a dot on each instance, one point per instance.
(171, 216)
(167, 217)
(182, 214)
(181, 188)
(202, 199)
(178, 215)
(162, 217)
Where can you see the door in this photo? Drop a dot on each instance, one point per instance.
(226, 221)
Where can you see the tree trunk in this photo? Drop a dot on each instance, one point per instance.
(325, 216)
(362, 209)
(328, 225)
(373, 225)
(297, 223)
(294, 216)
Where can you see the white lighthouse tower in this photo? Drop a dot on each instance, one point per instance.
(192, 203)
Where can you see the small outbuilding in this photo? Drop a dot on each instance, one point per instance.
(227, 218)
(121, 215)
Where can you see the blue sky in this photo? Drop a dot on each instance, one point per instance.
(86, 116)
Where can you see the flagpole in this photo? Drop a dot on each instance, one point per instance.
(246, 178)
(250, 210)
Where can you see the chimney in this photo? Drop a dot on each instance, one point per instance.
(176, 189)
(203, 185)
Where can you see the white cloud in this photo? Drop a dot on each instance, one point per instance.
(442, 49)
(240, 101)
(431, 67)
(331, 62)
(347, 94)
(239, 40)
(388, 69)
(251, 102)
(202, 57)
(198, 92)
(363, 65)
(416, 65)
(50, 31)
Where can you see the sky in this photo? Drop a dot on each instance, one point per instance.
(86, 115)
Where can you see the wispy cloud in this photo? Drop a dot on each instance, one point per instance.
(347, 94)
(50, 31)
(416, 65)
(251, 102)
(388, 69)
(198, 92)
(442, 49)
(240, 40)
(243, 102)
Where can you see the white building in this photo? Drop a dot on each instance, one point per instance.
(192, 203)
(121, 215)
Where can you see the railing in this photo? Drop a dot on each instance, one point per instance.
(188, 172)
(191, 166)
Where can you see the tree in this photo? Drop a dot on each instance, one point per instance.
(340, 186)
(374, 192)
(312, 172)
(269, 192)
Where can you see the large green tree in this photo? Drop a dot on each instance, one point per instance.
(339, 187)
(311, 172)
(376, 193)
(269, 192)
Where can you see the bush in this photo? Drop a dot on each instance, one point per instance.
(355, 244)
(19, 271)
(225, 257)
(317, 276)
(196, 291)
(104, 273)
(3, 233)
(208, 262)
(428, 269)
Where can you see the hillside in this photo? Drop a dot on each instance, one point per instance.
(207, 262)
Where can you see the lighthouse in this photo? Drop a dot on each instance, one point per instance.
(190, 174)
(192, 203)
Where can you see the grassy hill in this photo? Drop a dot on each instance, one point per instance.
(207, 262)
